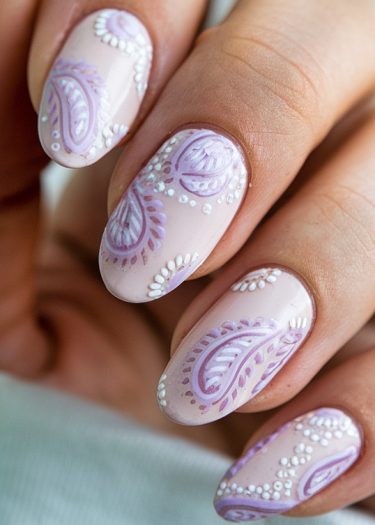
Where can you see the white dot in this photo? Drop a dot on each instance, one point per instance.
(170, 192)
(193, 203)
(324, 442)
(280, 474)
(328, 435)
(309, 449)
(158, 166)
(287, 493)
(160, 186)
(288, 484)
(56, 134)
(207, 208)
(314, 437)
(219, 492)
(338, 434)
(183, 199)
(306, 432)
(239, 490)
(277, 485)
(266, 486)
(251, 488)
(44, 118)
(55, 146)
(276, 495)
(234, 486)
(283, 461)
(223, 485)
(302, 461)
(299, 426)
(266, 495)
(259, 490)
(294, 460)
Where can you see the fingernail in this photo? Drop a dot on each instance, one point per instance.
(237, 347)
(172, 215)
(95, 87)
(289, 466)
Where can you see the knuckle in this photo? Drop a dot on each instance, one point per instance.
(350, 213)
(271, 63)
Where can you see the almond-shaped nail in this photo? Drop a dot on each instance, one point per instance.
(95, 87)
(237, 347)
(172, 215)
(289, 466)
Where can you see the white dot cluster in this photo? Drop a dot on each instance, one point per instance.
(153, 176)
(132, 46)
(162, 392)
(316, 431)
(257, 280)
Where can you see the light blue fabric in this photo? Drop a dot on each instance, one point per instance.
(67, 462)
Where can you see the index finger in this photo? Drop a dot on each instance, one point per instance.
(96, 63)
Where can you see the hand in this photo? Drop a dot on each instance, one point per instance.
(251, 54)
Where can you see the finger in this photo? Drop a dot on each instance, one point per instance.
(21, 159)
(306, 462)
(263, 101)
(95, 63)
(248, 327)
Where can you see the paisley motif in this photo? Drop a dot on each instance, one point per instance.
(118, 24)
(280, 355)
(75, 100)
(325, 471)
(135, 227)
(205, 162)
(239, 464)
(224, 360)
(125, 32)
(245, 509)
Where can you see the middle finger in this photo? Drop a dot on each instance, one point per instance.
(275, 76)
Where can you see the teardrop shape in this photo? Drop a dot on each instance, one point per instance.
(204, 165)
(135, 226)
(225, 358)
(325, 471)
(226, 355)
(75, 94)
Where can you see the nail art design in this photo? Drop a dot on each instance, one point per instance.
(76, 106)
(195, 180)
(257, 279)
(221, 364)
(122, 31)
(173, 274)
(298, 460)
(136, 227)
(85, 109)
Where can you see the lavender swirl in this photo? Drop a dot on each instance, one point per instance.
(325, 471)
(225, 359)
(205, 162)
(136, 226)
(245, 509)
(75, 94)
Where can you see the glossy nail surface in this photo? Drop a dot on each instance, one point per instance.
(289, 466)
(172, 215)
(95, 87)
(237, 347)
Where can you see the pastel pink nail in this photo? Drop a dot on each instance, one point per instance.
(237, 347)
(289, 466)
(95, 87)
(172, 215)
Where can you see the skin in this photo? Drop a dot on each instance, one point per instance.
(58, 324)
